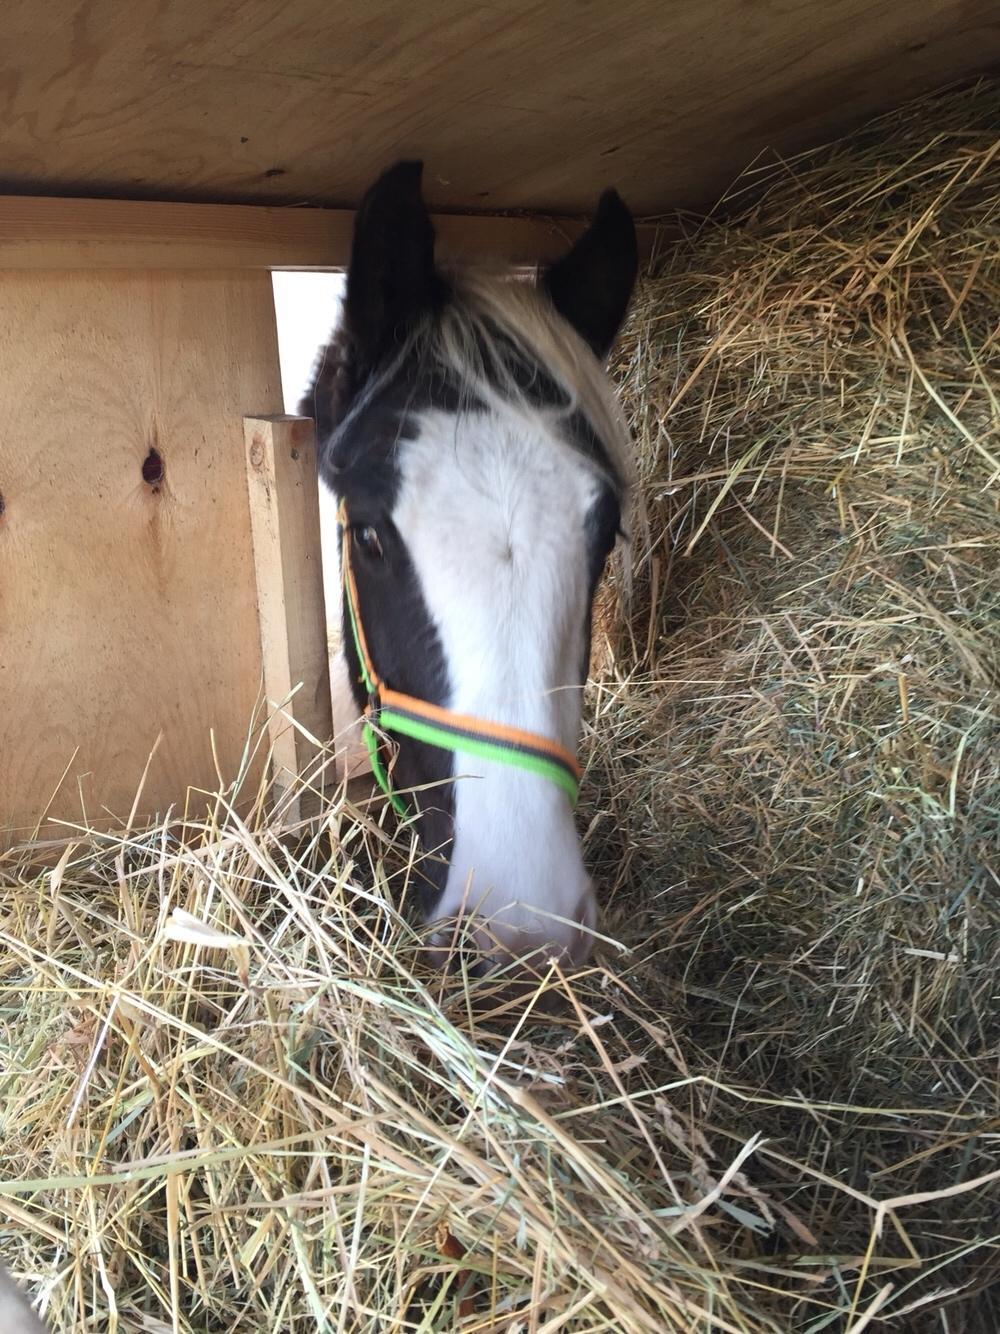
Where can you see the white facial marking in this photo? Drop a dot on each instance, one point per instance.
(492, 508)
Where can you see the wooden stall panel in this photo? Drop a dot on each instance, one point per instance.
(127, 594)
(40, 233)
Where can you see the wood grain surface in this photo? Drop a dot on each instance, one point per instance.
(127, 603)
(520, 105)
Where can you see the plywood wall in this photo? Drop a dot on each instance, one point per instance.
(127, 603)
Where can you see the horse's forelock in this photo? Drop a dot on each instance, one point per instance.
(512, 323)
(480, 343)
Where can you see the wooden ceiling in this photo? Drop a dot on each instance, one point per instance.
(513, 105)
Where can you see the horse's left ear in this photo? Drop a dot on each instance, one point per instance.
(591, 285)
(392, 281)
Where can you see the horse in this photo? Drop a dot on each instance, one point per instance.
(481, 467)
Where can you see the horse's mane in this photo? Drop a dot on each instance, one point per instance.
(501, 344)
(495, 327)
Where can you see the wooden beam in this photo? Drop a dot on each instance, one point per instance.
(514, 107)
(284, 520)
(39, 233)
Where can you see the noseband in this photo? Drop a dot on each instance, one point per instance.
(405, 715)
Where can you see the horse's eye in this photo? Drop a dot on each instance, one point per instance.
(369, 542)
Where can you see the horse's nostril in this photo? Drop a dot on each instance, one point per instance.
(516, 941)
(471, 962)
(459, 948)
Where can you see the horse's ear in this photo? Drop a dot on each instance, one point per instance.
(591, 285)
(392, 280)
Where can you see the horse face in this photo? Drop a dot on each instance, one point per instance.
(468, 431)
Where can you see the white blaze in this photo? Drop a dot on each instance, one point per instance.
(492, 508)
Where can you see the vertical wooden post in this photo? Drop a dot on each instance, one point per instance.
(284, 517)
(350, 751)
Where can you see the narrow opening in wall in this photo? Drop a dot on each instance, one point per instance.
(307, 307)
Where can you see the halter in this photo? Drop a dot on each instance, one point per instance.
(391, 711)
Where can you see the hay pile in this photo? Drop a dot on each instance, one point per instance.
(774, 1112)
(799, 740)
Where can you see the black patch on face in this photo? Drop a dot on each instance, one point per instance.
(358, 448)
(407, 654)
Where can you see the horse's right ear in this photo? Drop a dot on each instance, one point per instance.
(592, 284)
(392, 281)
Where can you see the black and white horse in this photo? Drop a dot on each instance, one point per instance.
(481, 462)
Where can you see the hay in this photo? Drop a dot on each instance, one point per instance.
(774, 1112)
(233, 1090)
(800, 736)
